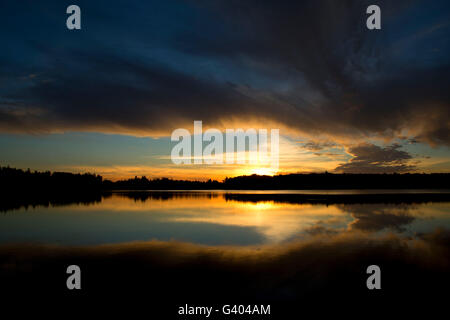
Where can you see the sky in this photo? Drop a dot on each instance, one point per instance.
(106, 98)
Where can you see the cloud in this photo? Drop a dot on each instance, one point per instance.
(318, 146)
(310, 67)
(370, 158)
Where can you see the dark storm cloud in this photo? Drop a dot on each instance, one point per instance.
(318, 146)
(311, 66)
(370, 158)
(361, 85)
(154, 99)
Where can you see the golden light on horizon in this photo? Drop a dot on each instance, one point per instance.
(262, 171)
(292, 159)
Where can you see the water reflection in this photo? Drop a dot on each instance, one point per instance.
(221, 218)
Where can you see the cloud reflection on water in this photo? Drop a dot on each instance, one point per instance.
(213, 218)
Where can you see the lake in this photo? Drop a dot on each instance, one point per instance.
(225, 218)
(164, 249)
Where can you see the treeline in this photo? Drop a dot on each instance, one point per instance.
(341, 181)
(143, 183)
(294, 182)
(56, 182)
(25, 188)
(37, 182)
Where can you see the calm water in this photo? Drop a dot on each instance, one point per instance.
(213, 218)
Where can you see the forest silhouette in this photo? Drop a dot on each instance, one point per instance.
(26, 188)
(12, 179)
